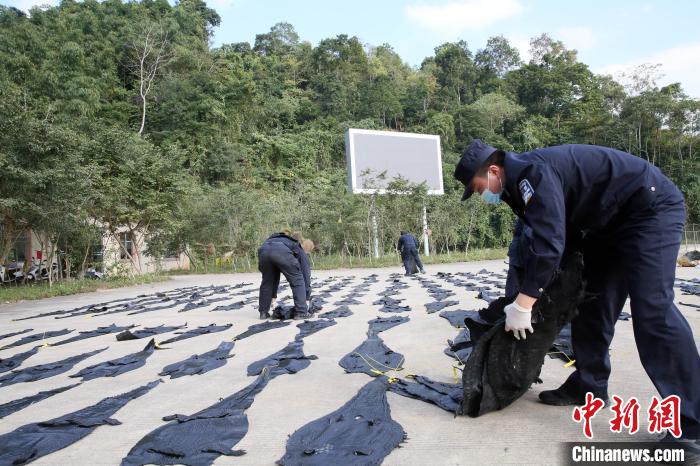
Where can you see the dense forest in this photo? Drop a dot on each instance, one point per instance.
(116, 114)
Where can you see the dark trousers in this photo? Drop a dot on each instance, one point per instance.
(639, 259)
(409, 255)
(273, 259)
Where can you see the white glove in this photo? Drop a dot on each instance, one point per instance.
(518, 319)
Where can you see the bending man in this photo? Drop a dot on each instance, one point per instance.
(626, 218)
(281, 253)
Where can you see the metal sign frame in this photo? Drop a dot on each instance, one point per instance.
(351, 162)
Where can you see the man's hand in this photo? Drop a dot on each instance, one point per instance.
(518, 320)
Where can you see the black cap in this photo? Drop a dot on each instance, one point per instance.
(472, 159)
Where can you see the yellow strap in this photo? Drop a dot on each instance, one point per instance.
(376, 370)
(568, 364)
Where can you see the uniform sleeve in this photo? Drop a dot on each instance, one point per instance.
(515, 249)
(399, 245)
(306, 271)
(545, 215)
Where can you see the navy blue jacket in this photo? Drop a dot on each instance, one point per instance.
(564, 193)
(299, 253)
(518, 245)
(406, 243)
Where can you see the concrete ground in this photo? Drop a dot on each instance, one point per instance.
(527, 432)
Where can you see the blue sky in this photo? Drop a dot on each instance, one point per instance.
(611, 36)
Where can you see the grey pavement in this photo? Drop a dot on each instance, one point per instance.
(527, 432)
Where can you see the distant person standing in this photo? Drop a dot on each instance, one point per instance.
(408, 247)
(282, 253)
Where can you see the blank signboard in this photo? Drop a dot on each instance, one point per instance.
(413, 157)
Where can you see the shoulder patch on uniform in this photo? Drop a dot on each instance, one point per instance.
(526, 190)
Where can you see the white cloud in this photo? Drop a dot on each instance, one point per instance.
(579, 38)
(522, 43)
(25, 5)
(678, 64)
(219, 5)
(458, 16)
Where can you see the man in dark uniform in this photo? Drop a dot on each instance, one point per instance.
(408, 247)
(626, 218)
(281, 253)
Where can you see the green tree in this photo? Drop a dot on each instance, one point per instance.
(456, 73)
(136, 189)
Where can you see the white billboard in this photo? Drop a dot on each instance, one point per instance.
(414, 157)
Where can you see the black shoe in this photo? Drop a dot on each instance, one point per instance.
(303, 316)
(566, 395)
(691, 449)
(264, 315)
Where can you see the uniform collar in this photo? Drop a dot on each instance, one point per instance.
(283, 235)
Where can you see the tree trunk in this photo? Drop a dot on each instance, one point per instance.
(137, 252)
(84, 263)
(150, 55)
(10, 234)
(122, 248)
(49, 262)
(143, 113)
(469, 232)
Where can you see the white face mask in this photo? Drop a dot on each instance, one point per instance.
(489, 196)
